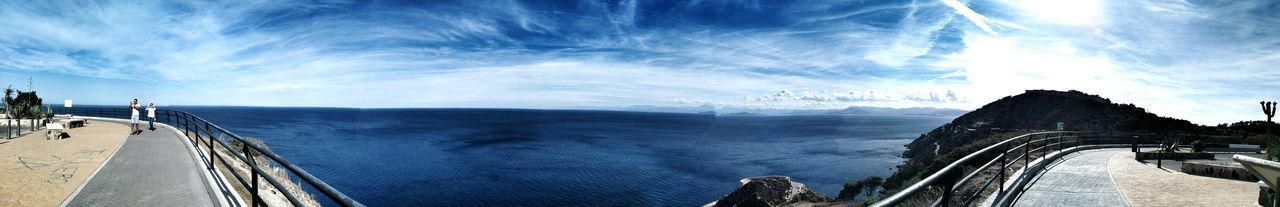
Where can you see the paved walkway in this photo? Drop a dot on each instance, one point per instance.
(150, 169)
(1078, 179)
(1146, 185)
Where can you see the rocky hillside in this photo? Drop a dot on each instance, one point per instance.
(770, 191)
(1033, 110)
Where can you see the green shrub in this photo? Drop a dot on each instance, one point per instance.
(870, 200)
(867, 185)
(850, 191)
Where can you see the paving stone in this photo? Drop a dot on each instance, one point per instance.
(151, 169)
(1078, 179)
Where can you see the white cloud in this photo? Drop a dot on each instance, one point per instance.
(1198, 62)
(1207, 63)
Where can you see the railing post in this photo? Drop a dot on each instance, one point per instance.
(1026, 153)
(1004, 157)
(1058, 145)
(186, 129)
(211, 155)
(253, 163)
(950, 180)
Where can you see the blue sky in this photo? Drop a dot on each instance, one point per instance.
(1206, 61)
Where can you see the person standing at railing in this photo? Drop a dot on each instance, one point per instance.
(133, 118)
(151, 114)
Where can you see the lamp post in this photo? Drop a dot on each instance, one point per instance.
(1269, 108)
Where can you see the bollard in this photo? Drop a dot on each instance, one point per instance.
(1133, 144)
(1160, 160)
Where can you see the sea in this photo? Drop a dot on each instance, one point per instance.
(519, 157)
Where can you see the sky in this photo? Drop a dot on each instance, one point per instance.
(1205, 61)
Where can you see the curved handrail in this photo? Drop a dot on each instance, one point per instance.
(953, 168)
(176, 117)
(1027, 148)
(323, 187)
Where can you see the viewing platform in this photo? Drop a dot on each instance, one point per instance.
(101, 164)
(1072, 168)
(185, 161)
(1112, 177)
(154, 168)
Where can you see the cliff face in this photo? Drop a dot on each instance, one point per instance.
(1033, 110)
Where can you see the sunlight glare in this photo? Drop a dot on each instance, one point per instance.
(1073, 12)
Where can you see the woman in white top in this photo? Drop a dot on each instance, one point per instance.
(133, 118)
(151, 113)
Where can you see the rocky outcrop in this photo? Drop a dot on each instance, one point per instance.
(769, 191)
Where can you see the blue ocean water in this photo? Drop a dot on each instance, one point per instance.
(510, 157)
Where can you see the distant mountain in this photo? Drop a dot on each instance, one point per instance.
(703, 109)
(924, 111)
(1033, 110)
(743, 114)
(850, 110)
(733, 111)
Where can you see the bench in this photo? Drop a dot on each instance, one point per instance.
(55, 130)
(73, 123)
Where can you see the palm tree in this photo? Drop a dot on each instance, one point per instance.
(27, 105)
(8, 101)
(8, 108)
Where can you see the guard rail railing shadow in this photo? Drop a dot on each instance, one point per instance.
(961, 184)
(203, 134)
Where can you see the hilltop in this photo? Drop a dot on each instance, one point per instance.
(1032, 110)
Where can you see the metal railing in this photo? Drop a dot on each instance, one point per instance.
(1001, 159)
(198, 130)
(13, 127)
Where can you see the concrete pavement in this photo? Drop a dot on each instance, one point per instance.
(154, 168)
(1078, 179)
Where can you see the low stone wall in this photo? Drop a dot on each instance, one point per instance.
(1219, 169)
(1174, 156)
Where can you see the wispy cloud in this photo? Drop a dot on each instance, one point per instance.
(972, 16)
(1204, 62)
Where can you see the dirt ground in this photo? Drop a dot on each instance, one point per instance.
(39, 172)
